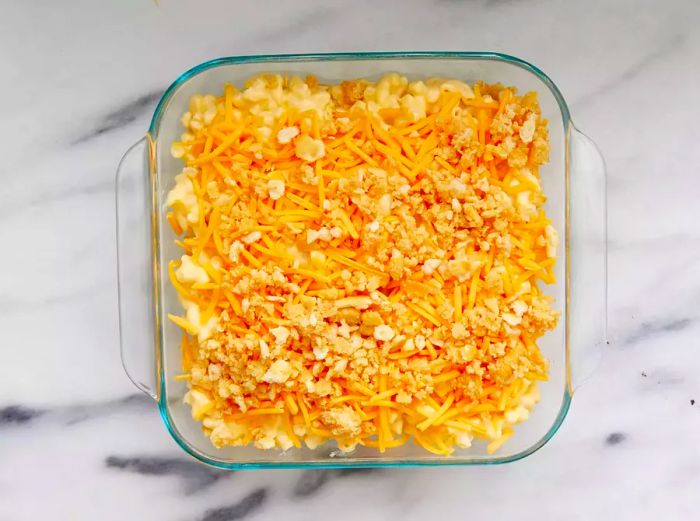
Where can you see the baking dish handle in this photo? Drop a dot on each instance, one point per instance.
(587, 257)
(135, 275)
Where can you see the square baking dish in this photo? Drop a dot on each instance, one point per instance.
(573, 181)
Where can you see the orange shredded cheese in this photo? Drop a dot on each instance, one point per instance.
(362, 264)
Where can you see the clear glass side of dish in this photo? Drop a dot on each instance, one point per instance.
(137, 315)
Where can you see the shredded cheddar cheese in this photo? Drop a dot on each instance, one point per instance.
(361, 262)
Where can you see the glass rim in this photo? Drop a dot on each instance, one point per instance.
(347, 462)
(356, 56)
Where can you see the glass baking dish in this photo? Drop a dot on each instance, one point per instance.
(573, 180)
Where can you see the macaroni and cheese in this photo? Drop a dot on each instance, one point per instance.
(362, 262)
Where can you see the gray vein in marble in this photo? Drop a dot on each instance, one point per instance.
(632, 71)
(196, 476)
(487, 5)
(129, 112)
(19, 416)
(80, 413)
(312, 481)
(615, 438)
(651, 329)
(11, 207)
(497, 3)
(249, 504)
(121, 116)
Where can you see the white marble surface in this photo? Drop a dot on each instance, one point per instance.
(79, 81)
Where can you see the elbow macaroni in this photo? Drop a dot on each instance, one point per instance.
(362, 262)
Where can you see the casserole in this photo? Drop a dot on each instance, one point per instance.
(573, 181)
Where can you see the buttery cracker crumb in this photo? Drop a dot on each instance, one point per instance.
(281, 334)
(287, 134)
(383, 332)
(430, 265)
(278, 373)
(275, 188)
(252, 237)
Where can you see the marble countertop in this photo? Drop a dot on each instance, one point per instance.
(80, 80)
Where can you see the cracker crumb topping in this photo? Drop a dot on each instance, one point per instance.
(362, 262)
